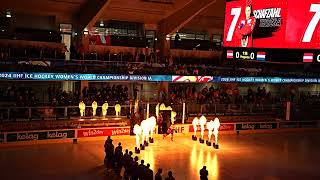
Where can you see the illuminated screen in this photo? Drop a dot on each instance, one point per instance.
(272, 24)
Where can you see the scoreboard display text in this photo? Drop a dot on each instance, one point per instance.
(264, 26)
(273, 55)
(245, 54)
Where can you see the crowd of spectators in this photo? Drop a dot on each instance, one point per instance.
(143, 62)
(213, 95)
(22, 96)
(117, 94)
(27, 96)
(23, 52)
(308, 98)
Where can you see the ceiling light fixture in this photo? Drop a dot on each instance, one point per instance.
(101, 23)
(8, 14)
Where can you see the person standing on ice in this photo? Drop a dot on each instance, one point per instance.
(171, 131)
(160, 123)
(204, 173)
(109, 149)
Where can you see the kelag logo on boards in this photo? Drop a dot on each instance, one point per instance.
(57, 134)
(40, 135)
(27, 136)
(255, 126)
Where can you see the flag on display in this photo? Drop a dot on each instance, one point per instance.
(261, 56)
(308, 57)
(229, 54)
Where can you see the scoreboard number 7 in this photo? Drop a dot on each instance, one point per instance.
(313, 23)
(236, 12)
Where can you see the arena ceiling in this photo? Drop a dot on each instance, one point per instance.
(201, 15)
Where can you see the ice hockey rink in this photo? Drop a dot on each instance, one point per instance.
(245, 156)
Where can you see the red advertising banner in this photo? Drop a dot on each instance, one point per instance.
(223, 127)
(272, 24)
(116, 131)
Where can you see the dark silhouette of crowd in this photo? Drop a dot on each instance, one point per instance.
(117, 161)
(30, 51)
(125, 166)
(115, 94)
(22, 96)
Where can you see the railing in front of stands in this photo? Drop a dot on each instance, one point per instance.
(8, 114)
(55, 113)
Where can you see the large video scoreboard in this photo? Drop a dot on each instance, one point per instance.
(272, 30)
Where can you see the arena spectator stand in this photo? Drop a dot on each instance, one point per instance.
(50, 57)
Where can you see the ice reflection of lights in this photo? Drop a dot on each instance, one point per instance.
(148, 157)
(198, 160)
(214, 170)
(193, 155)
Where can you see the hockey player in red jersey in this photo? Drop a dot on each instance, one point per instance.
(246, 27)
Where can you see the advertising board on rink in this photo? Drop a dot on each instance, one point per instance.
(96, 132)
(40, 135)
(256, 125)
